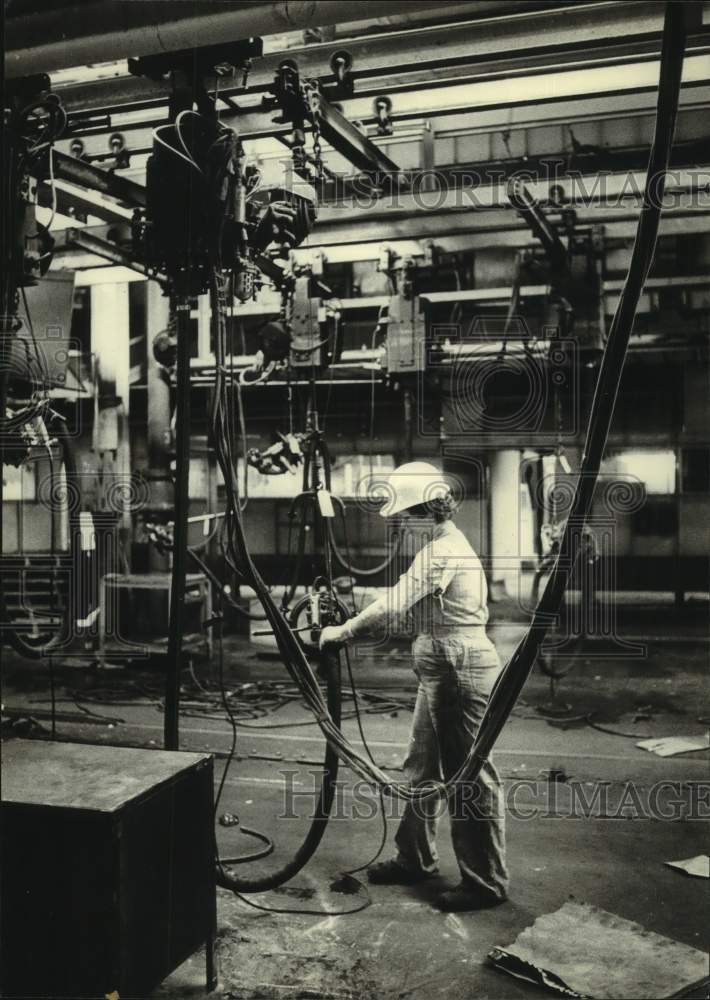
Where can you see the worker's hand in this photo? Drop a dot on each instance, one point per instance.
(332, 635)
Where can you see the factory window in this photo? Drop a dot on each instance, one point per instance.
(695, 474)
(20, 482)
(654, 468)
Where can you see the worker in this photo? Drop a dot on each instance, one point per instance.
(445, 595)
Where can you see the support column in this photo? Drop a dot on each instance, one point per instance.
(110, 345)
(158, 430)
(110, 338)
(504, 508)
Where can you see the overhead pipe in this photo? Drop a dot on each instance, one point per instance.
(42, 43)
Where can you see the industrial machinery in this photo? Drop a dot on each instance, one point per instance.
(243, 245)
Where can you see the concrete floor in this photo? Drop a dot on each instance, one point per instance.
(400, 946)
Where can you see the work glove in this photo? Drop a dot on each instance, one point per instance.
(333, 635)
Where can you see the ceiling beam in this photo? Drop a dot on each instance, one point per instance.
(479, 219)
(467, 47)
(99, 32)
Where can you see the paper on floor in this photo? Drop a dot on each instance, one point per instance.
(668, 746)
(699, 865)
(582, 951)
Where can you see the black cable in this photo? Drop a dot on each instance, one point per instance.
(268, 843)
(351, 871)
(227, 709)
(223, 444)
(264, 852)
(216, 582)
(321, 813)
(605, 729)
(303, 911)
(383, 812)
(344, 560)
(301, 499)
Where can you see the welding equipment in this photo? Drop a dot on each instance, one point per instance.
(283, 206)
(285, 455)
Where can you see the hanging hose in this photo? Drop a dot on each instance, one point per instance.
(346, 564)
(341, 559)
(300, 499)
(330, 662)
(321, 815)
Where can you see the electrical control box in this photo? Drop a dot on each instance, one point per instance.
(406, 333)
(307, 340)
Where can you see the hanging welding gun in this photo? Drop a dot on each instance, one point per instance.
(317, 610)
(285, 455)
(282, 208)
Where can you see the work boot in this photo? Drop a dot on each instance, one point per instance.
(392, 873)
(462, 898)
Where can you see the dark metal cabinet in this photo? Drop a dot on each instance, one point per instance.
(107, 868)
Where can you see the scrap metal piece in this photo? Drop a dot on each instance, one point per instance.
(698, 866)
(583, 951)
(669, 746)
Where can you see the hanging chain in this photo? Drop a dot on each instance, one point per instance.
(312, 99)
(317, 150)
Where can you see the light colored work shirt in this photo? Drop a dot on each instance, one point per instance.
(444, 591)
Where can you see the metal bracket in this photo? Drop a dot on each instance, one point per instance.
(83, 174)
(406, 333)
(210, 60)
(530, 210)
(111, 251)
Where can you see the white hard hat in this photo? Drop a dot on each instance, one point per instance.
(412, 484)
